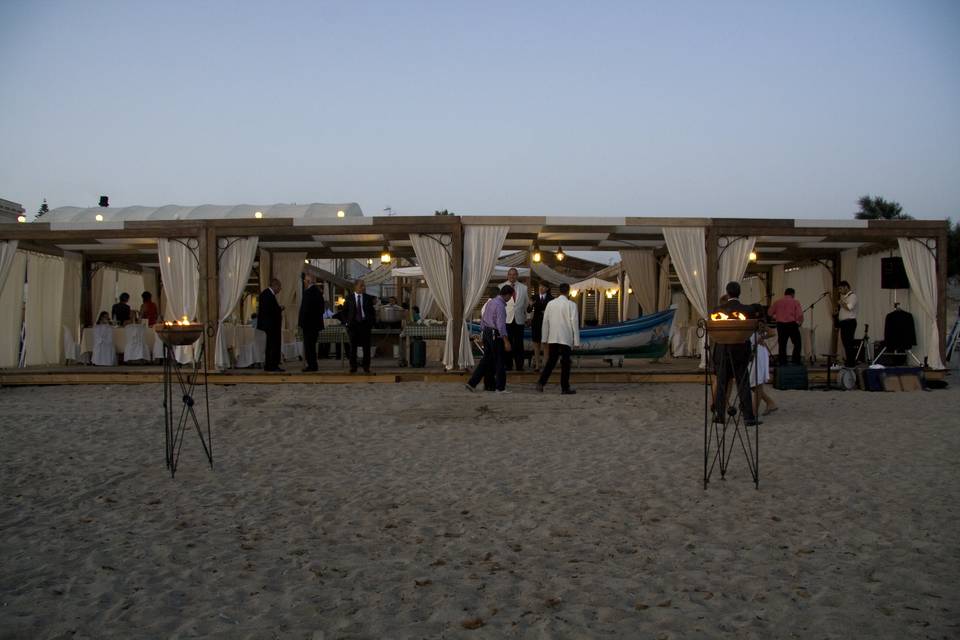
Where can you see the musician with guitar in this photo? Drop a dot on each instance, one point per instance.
(845, 317)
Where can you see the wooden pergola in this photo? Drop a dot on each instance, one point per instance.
(779, 241)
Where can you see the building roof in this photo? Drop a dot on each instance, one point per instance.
(316, 211)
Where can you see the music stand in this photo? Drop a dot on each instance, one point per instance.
(813, 328)
(722, 432)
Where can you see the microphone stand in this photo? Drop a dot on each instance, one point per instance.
(813, 328)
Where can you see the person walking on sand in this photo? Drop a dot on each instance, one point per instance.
(536, 325)
(561, 332)
(496, 344)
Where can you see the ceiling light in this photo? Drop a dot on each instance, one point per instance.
(341, 213)
(536, 255)
(369, 262)
(99, 217)
(560, 254)
(385, 257)
(21, 218)
(753, 256)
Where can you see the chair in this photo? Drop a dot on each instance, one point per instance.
(135, 347)
(71, 350)
(104, 352)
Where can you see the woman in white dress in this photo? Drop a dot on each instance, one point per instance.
(760, 370)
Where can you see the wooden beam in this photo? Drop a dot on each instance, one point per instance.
(713, 266)
(942, 251)
(208, 302)
(457, 259)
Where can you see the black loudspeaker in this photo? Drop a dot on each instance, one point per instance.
(892, 274)
(104, 201)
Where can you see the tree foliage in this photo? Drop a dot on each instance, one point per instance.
(879, 209)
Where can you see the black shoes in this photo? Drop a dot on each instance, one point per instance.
(568, 392)
(539, 388)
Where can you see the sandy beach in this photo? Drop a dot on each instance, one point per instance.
(419, 510)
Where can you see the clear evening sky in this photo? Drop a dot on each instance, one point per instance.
(758, 109)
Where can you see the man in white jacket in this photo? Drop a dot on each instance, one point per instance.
(561, 330)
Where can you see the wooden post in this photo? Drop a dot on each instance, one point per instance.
(713, 266)
(834, 330)
(209, 294)
(457, 311)
(942, 294)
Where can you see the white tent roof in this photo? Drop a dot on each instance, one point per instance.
(594, 283)
(203, 212)
(417, 272)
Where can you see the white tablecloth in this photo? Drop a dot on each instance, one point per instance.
(248, 346)
(154, 346)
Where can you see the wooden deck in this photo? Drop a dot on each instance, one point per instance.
(590, 371)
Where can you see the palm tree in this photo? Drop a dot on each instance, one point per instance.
(880, 209)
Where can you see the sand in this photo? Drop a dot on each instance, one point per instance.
(419, 510)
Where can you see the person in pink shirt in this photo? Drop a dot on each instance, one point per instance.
(788, 313)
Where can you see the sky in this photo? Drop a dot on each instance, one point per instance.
(753, 109)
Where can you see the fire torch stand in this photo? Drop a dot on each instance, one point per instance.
(181, 385)
(723, 430)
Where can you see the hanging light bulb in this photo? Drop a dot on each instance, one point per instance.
(573, 293)
(385, 257)
(258, 215)
(369, 262)
(306, 261)
(630, 290)
(753, 256)
(21, 218)
(536, 254)
(98, 217)
(560, 254)
(341, 214)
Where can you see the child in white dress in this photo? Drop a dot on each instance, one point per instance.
(760, 371)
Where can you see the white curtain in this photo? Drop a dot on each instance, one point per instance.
(425, 301)
(753, 290)
(44, 311)
(663, 287)
(808, 282)
(688, 253)
(11, 308)
(481, 246)
(235, 264)
(287, 268)
(180, 274)
(641, 266)
(734, 259)
(149, 284)
(103, 290)
(921, 267)
(848, 268)
(552, 275)
(433, 258)
(8, 249)
(72, 284)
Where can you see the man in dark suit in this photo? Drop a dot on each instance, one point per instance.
(732, 361)
(270, 321)
(536, 326)
(311, 320)
(359, 316)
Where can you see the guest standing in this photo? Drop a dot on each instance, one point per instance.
(732, 363)
(496, 344)
(789, 316)
(121, 311)
(270, 321)
(536, 325)
(148, 309)
(516, 318)
(311, 320)
(359, 315)
(561, 332)
(847, 321)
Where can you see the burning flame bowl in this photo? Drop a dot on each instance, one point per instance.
(724, 329)
(179, 335)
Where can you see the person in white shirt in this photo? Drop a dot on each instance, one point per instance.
(847, 321)
(561, 330)
(516, 319)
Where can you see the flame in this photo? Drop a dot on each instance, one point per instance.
(720, 315)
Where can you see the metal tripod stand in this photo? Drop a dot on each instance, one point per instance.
(183, 382)
(723, 430)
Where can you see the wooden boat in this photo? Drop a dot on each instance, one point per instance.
(644, 337)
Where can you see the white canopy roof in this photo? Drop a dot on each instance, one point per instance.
(203, 212)
(594, 283)
(417, 272)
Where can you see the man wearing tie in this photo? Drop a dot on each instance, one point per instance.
(311, 320)
(270, 321)
(359, 316)
(536, 325)
(516, 319)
